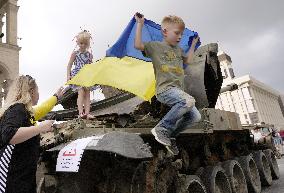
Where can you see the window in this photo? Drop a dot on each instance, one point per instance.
(226, 74)
(231, 71)
(265, 130)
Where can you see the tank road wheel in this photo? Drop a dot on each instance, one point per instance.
(236, 176)
(263, 168)
(215, 180)
(251, 173)
(191, 184)
(272, 163)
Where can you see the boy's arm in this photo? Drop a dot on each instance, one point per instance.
(188, 58)
(71, 60)
(138, 39)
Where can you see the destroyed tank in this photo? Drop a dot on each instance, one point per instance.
(217, 155)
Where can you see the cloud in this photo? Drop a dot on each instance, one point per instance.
(263, 44)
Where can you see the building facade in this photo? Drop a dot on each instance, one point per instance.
(254, 101)
(9, 49)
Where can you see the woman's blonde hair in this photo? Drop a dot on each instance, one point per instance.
(84, 36)
(20, 92)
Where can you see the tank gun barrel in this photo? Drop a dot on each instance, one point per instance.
(229, 87)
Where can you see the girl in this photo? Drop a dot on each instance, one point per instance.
(79, 58)
(19, 135)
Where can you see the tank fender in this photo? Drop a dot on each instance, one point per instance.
(128, 145)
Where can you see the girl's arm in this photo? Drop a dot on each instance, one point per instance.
(69, 66)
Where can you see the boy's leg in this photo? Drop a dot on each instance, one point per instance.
(180, 103)
(189, 119)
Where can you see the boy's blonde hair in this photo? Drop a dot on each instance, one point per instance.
(20, 92)
(84, 36)
(172, 19)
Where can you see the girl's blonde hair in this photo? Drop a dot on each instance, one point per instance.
(20, 92)
(84, 36)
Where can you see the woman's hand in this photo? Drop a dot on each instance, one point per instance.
(46, 126)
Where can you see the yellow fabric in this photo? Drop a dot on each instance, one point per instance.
(129, 74)
(44, 108)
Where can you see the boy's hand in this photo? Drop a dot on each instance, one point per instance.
(195, 40)
(189, 57)
(139, 18)
(138, 44)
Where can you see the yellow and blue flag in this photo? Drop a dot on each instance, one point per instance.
(124, 67)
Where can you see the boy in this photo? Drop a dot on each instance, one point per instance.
(168, 59)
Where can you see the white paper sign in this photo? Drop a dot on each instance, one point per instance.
(70, 156)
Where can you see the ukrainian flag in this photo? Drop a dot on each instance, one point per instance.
(124, 67)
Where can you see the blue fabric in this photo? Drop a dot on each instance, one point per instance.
(150, 32)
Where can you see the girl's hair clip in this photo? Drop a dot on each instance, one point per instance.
(86, 31)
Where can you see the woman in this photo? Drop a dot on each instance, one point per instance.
(19, 135)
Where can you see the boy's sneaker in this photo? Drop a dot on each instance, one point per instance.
(173, 149)
(161, 135)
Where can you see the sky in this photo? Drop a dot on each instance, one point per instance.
(251, 32)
